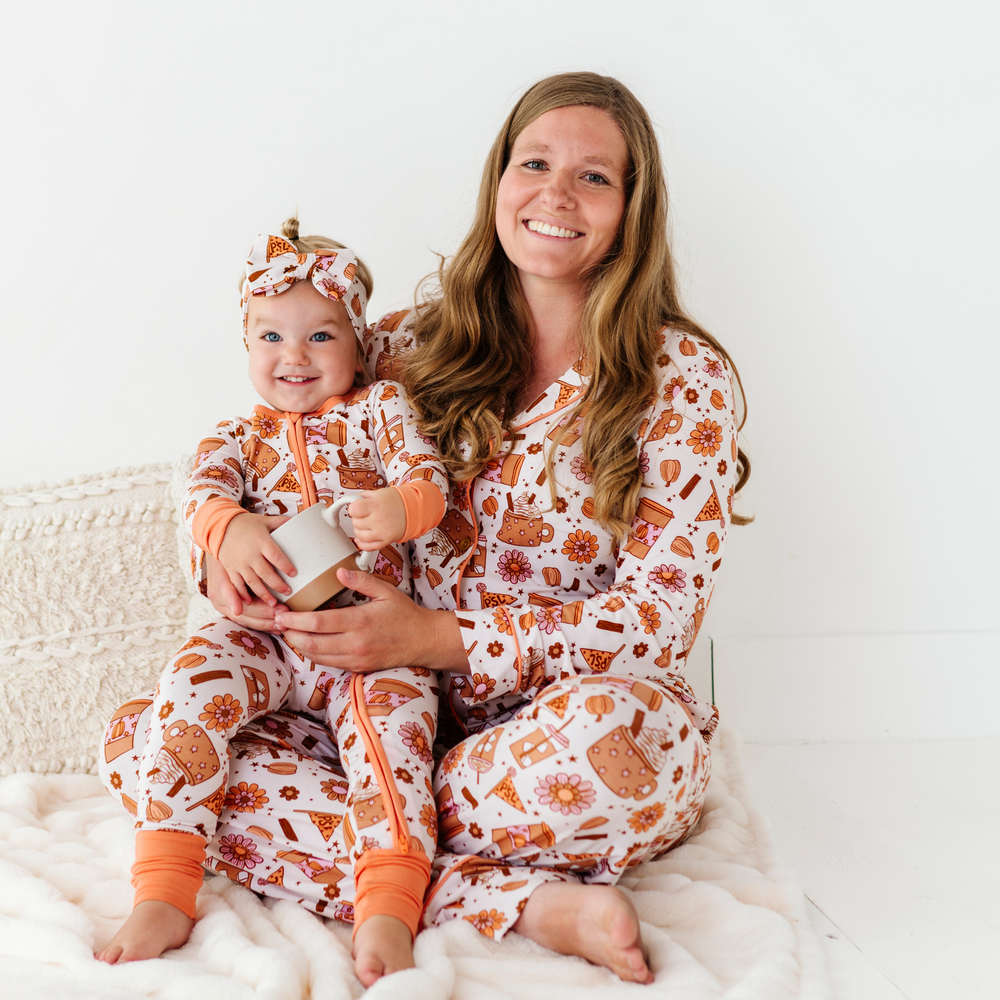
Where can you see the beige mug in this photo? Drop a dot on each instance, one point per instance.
(317, 547)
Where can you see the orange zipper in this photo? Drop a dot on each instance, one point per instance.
(380, 765)
(297, 439)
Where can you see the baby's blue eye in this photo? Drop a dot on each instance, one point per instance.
(320, 337)
(271, 338)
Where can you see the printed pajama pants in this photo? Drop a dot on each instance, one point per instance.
(213, 761)
(596, 775)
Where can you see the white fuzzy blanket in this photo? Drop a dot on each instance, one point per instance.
(723, 917)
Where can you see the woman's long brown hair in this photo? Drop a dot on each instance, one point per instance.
(473, 356)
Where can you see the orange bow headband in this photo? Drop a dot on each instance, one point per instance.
(274, 265)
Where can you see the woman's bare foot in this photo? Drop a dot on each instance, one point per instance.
(596, 922)
(152, 928)
(382, 945)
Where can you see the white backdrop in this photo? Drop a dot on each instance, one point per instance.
(833, 171)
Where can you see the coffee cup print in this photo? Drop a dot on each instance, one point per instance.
(503, 470)
(522, 523)
(628, 759)
(358, 471)
(650, 520)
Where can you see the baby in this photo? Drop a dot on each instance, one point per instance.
(318, 436)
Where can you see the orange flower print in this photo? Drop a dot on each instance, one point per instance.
(714, 367)
(646, 818)
(334, 790)
(452, 759)
(475, 830)
(240, 851)
(487, 921)
(429, 819)
(289, 793)
(581, 546)
(245, 798)
(248, 644)
(495, 648)
(691, 395)
(706, 438)
(218, 474)
(116, 780)
(502, 622)
(565, 793)
(639, 650)
(266, 426)
(416, 741)
(649, 617)
(482, 687)
(221, 713)
(403, 775)
(331, 891)
(165, 709)
(673, 388)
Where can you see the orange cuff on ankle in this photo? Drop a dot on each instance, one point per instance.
(168, 867)
(393, 884)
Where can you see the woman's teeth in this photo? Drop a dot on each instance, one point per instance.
(546, 230)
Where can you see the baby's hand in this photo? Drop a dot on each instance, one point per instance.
(250, 557)
(379, 518)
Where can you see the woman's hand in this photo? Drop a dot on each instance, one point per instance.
(227, 601)
(389, 631)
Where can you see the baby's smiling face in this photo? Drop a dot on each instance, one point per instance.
(302, 347)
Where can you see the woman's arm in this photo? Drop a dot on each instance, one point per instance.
(641, 603)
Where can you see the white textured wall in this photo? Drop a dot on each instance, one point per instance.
(833, 170)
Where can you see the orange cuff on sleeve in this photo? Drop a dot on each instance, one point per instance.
(211, 520)
(391, 883)
(168, 867)
(424, 507)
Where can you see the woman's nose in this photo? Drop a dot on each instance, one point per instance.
(558, 190)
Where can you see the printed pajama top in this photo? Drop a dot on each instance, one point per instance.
(544, 593)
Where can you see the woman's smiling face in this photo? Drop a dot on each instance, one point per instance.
(562, 196)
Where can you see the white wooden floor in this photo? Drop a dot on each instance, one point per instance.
(897, 847)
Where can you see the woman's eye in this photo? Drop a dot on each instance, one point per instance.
(320, 337)
(596, 178)
(534, 164)
(271, 338)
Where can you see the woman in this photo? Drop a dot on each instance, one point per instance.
(591, 427)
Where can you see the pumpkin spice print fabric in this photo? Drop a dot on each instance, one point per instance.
(545, 594)
(586, 750)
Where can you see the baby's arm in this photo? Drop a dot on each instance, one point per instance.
(250, 557)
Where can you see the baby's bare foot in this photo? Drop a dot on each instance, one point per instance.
(596, 922)
(152, 928)
(382, 945)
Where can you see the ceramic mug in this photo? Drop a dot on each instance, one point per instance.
(317, 547)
